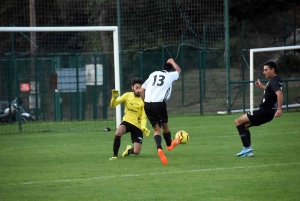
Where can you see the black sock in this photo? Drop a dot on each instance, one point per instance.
(116, 145)
(168, 138)
(157, 139)
(131, 151)
(249, 136)
(243, 135)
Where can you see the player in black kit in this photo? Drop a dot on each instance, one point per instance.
(269, 108)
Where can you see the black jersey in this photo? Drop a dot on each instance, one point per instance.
(269, 100)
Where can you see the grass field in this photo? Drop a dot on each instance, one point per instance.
(75, 166)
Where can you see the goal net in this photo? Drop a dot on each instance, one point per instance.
(58, 86)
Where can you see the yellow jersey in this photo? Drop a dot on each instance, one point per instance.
(133, 109)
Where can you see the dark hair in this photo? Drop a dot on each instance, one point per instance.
(271, 64)
(136, 80)
(168, 67)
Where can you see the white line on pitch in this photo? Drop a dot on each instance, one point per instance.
(151, 173)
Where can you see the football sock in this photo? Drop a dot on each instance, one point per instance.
(243, 135)
(116, 145)
(130, 151)
(157, 139)
(168, 138)
(249, 136)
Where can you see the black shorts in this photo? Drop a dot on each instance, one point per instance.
(261, 116)
(136, 133)
(156, 113)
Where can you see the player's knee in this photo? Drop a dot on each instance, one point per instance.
(136, 152)
(237, 122)
(165, 127)
(118, 134)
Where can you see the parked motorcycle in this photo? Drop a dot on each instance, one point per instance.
(15, 106)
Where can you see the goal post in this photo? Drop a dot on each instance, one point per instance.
(114, 29)
(252, 51)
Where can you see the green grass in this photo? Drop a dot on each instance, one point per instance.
(75, 166)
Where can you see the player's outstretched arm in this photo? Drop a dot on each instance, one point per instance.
(174, 64)
(259, 84)
(114, 101)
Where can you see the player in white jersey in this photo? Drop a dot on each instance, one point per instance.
(155, 91)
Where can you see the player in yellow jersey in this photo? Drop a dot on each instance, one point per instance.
(134, 119)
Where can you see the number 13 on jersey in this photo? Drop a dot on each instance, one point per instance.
(159, 81)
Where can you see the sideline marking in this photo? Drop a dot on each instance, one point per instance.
(151, 173)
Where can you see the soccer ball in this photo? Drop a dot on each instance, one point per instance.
(183, 135)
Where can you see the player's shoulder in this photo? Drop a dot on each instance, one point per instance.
(276, 79)
(127, 94)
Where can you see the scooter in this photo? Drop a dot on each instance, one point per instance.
(15, 105)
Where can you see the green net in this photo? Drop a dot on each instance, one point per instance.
(62, 93)
(153, 23)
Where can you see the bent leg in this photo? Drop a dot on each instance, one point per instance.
(136, 148)
(242, 120)
(120, 130)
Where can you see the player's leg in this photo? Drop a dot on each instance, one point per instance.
(248, 125)
(157, 139)
(117, 140)
(152, 111)
(167, 134)
(136, 149)
(257, 118)
(136, 139)
(162, 115)
(157, 136)
(240, 125)
(168, 138)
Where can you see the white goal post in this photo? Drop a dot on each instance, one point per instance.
(114, 29)
(252, 51)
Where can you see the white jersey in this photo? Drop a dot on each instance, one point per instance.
(158, 86)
